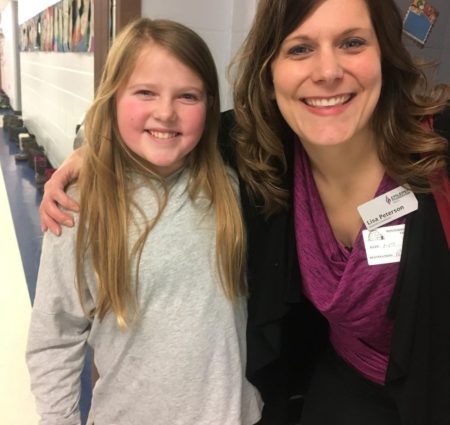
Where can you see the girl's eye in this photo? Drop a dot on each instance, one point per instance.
(353, 43)
(189, 96)
(299, 50)
(145, 93)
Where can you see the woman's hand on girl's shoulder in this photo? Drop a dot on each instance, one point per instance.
(55, 198)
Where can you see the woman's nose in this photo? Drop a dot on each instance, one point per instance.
(327, 67)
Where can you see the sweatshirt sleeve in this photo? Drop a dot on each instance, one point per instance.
(58, 333)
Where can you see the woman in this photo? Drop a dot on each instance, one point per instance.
(331, 113)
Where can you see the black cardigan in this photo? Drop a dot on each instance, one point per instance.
(284, 332)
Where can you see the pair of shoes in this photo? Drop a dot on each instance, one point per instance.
(11, 121)
(22, 156)
(41, 179)
(14, 133)
(40, 163)
(25, 140)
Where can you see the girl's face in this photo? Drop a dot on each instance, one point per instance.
(161, 110)
(327, 74)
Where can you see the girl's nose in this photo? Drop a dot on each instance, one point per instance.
(327, 67)
(164, 110)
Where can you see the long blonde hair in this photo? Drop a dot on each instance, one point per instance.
(410, 153)
(105, 201)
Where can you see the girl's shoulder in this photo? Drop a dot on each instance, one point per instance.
(73, 191)
(232, 175)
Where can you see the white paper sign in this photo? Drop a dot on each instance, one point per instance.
(384, 244)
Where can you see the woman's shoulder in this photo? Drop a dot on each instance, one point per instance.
(226, 138)
(441, 123)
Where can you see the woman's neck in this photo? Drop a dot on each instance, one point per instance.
(346, 176)
(346, 166)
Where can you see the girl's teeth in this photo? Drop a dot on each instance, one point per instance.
(162, 135)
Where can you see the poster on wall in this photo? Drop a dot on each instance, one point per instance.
(419, 21)
(67, 26)
(47, 35)
(81, 25)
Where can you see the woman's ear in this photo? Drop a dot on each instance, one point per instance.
(271, 88)
(272, 92)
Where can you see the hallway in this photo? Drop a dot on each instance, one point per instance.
(20, 248)
(16, 401)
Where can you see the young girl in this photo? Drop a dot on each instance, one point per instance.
(152, 275)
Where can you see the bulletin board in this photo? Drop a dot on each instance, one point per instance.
(67, 26)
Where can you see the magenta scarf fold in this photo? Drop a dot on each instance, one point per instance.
(352, 295)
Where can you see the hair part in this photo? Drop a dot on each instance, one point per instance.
(410, 153)
(106, 202)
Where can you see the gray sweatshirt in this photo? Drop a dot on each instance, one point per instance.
(182, 362)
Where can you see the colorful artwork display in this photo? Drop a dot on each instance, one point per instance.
(67, 26)
(419, 20)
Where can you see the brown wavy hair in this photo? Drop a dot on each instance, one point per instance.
(410, 153)
(104, 183)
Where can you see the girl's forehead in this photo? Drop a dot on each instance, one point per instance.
(156, 54)
(156, 65)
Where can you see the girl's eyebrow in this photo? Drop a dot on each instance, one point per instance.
(152, 86)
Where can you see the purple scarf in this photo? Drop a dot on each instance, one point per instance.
(352, 295)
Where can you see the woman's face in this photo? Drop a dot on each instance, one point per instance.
(327, 74)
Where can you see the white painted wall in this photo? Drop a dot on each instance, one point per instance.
(10, 65)
(57, 88)
(30, 8)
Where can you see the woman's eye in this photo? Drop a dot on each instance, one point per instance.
(353, 43)
(299, 50)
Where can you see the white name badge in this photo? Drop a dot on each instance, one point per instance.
(384, 245)
(387, 207)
